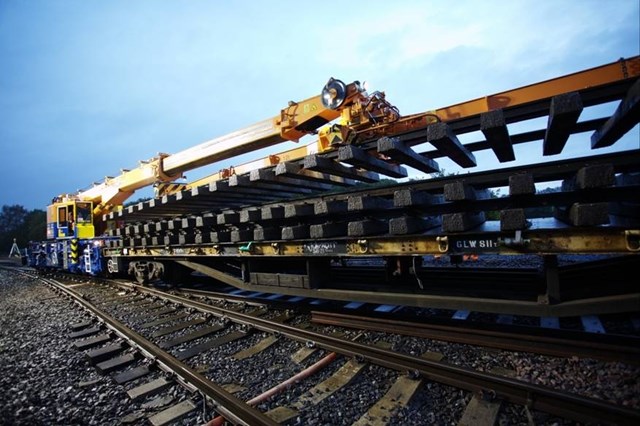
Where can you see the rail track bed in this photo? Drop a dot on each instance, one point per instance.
(322, 374)
(43, 379)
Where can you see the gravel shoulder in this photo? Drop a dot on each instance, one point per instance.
(43, 379)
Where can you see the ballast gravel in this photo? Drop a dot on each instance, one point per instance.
(44, 380)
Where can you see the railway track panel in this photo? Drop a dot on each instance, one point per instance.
(562, 111)
(386, 209)
(281, 226)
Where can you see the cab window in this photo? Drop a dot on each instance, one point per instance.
(83, 212)
(62, 216)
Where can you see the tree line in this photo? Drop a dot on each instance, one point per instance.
(23, 225)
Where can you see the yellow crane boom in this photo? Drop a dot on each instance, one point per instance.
(294, 121)
(362, 116)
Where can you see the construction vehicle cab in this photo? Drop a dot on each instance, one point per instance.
(70, 218)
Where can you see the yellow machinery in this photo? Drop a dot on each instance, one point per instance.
(293, 122)
(276, 223)
(372, 116)
(68, 217)
(362, 117)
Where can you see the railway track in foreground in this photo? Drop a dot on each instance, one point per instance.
(409, 372)
(527, 334)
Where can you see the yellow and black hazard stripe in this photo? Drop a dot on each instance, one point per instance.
(74, 250)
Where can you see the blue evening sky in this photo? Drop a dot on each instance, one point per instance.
(89, 87)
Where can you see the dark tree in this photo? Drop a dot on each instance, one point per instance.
(21, 224)
(34, 227)
(11, 217)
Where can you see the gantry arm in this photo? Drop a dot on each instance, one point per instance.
(293, 122)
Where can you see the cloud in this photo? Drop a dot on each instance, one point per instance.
(517, 35)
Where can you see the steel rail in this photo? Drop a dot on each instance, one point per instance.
(626, 161)
(560, 344)
(566, 405)
(213, 295)
(231, 407)
(563, 343)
